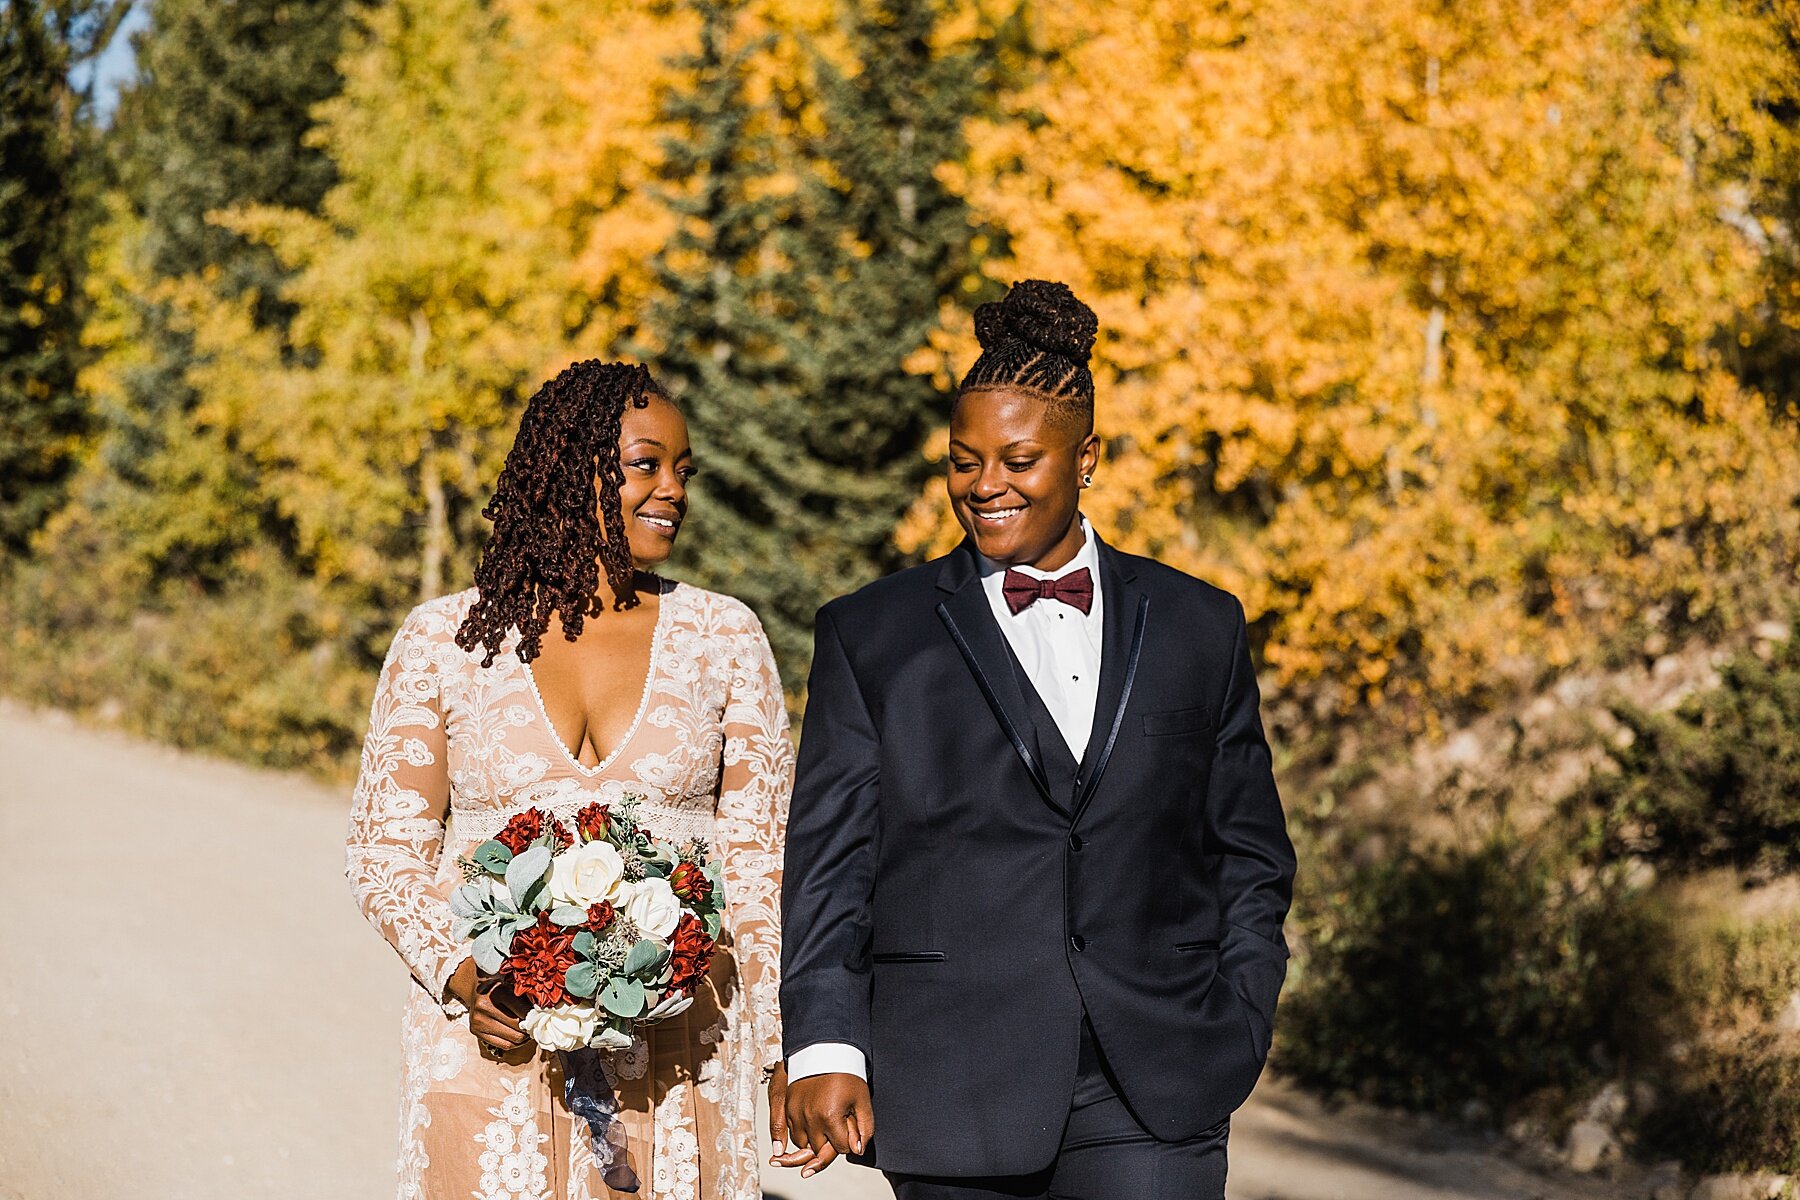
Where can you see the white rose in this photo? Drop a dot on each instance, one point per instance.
(565, 1027)
(609, 1038)
(653, 907)
(586, 874)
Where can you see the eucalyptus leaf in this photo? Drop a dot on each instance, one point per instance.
(490, 952)
(644, 955)
(582, 979)
(525, 872)
(567, 914)
(710, 924)
(514, 922)
(469, 900)
(623, 998)
(586, 943)
(492, 856)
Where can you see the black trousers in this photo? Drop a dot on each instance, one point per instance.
(1105, 1155)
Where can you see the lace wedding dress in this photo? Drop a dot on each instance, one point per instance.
(453, 750)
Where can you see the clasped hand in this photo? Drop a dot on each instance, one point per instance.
(823, 1116)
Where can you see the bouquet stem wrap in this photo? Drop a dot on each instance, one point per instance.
(590, 1097)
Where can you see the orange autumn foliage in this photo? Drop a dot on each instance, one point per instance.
(1411, 320)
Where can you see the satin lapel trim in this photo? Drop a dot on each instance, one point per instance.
(971, 624)
(1127, 613)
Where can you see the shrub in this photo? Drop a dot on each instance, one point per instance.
(1730, 1096)
(1716, 782)
(1734, 1107)
(1443, 976)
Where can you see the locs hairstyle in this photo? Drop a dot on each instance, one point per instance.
(547, 541)
(1038, 339)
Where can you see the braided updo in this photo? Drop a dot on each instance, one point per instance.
(1038, 339)
(560, 481)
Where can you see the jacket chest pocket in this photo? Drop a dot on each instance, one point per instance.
(1176, 721)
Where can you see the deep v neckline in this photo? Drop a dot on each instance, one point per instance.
(663, 609)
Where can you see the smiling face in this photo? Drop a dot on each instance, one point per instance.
(1016, 475)
(653, 450)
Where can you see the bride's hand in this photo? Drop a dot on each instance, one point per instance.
(494, 1027)
(778, 1111)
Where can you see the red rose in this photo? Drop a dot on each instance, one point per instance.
(591, 821)
(521, 831)
(599, 916)
(690, 953)
(527, 827)
(540, 959)
(690, 883)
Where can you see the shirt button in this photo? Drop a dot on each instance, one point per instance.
(1076, 678)
(1077, 942)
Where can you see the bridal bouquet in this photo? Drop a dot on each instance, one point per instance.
(599, 929)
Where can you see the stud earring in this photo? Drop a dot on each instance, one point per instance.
(1087, 481)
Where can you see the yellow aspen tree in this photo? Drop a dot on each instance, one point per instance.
(1410, 314)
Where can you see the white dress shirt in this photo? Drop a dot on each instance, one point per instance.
(1058, 646)
(1060, 651)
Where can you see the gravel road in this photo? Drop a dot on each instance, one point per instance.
(194, 1009)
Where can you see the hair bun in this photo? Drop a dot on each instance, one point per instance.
(1041, 314)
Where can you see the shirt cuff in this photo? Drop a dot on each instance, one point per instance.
(827, 1058)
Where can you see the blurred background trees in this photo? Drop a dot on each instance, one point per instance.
(1458, 339)
(49, 182)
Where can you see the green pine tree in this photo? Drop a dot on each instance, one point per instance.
(45, 210)
(217, 118)
(720, 342)
(792, 320)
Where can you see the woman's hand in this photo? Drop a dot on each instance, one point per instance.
(494, 1027)
(827, 1115)
(778, 1111)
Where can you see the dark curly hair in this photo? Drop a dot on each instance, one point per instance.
(1038, 339)
(547, 547)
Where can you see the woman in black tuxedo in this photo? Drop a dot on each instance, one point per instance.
(1036, 865)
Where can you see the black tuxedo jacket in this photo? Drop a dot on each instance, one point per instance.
(959, 891)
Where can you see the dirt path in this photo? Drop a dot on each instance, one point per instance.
(194, 1010)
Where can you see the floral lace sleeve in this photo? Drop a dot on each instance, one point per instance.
(755, 786)
(402, 798)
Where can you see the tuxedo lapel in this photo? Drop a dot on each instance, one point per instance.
(1122, 639)
(971, 625)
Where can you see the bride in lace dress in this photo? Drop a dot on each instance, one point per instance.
(534, 689)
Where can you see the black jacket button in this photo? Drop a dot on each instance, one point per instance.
(1078, 942)
(1075, 842)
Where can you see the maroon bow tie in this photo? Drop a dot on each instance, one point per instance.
(1076, 589)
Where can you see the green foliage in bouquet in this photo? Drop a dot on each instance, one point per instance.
(483, 915)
